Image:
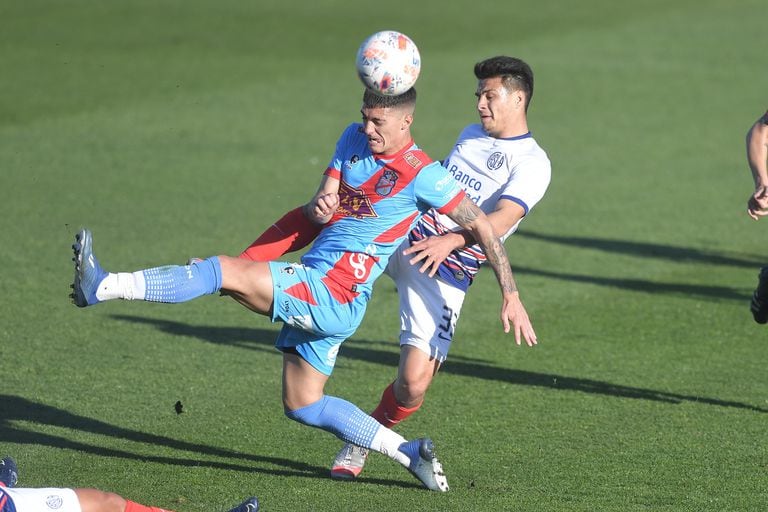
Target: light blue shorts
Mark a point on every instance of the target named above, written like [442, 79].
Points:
[316, 324]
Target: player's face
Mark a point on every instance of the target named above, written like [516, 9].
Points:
[387, 129]
[499, 109]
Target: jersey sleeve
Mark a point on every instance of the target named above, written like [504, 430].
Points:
[436, 188]
[528, 182]
[342, 146]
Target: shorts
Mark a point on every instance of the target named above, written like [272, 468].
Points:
[316, 324]
[42, 500]
[429, 307]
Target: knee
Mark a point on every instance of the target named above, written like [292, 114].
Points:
[95, 500]
[114, 502]
[293, 400]
[311, 415]
[411, 390]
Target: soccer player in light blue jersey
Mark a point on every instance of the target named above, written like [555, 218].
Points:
[374, 190]
[506, 173]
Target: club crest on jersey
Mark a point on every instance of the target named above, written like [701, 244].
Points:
[386, 183]
[353, 202]
[495, 161]
[54, 501]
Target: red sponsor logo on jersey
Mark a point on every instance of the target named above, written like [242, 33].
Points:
[351, 269]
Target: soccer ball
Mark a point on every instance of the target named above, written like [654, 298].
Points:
[388, 63]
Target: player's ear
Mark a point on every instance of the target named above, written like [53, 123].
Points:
[519, 98]
[407, 121]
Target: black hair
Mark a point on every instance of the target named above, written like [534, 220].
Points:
[373, 100]
[515, 74]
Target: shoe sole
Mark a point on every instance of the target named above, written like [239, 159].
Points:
[345, 466]
[343, 473]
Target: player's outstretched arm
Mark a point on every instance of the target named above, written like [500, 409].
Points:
[757, 157]
[470, 217]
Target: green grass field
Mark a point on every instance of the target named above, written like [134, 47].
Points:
[183, 128]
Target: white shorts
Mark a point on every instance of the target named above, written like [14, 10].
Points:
[43, 500]
[429, 308]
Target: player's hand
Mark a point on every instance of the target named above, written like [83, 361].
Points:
[432, 251]
[513, 311]
[325, 205]
[757, 205]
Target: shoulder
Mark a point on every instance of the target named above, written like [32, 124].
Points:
[352, 140]
[533, 152]
[529, 161]
[352, 131]
[434, 175]
[471, 131]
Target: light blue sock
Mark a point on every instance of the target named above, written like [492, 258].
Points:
[347, 422]
[343, 419]
[181, 283]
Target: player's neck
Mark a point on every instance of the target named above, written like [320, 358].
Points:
[515, 128]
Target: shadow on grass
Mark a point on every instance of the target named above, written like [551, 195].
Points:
[15, 409]
[672, 253]
[651, 250]
[645, 286]
[361, 350]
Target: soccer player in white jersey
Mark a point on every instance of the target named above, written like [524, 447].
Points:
[757, 205]
[28, 499]
[505, 172]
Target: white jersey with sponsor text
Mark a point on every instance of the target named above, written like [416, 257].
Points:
[488, 169]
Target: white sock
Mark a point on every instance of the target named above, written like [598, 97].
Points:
[122, 285]
[388, 441]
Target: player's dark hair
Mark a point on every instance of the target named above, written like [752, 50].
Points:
[515, 74]
[373, 100]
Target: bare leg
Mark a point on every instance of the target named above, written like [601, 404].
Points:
[94, 500]
[414, 375]
[302, 383]
[248, 282]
